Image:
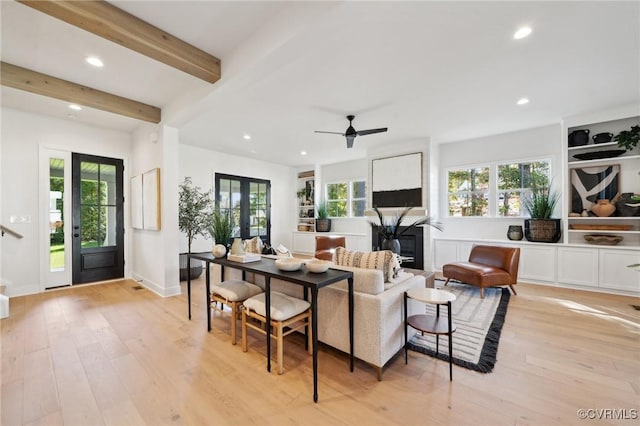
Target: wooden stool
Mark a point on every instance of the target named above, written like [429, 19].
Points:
[232, 293]
[286, 311]
[428, 323]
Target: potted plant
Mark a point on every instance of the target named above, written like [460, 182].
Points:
[220, 227]
[628, 139]
[390, 229]
[540, 204]
[323, 223]
[301, 194]
[194, 211]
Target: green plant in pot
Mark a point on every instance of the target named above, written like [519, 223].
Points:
[194, 210]
[221, 227]
[628, 139]
[540, 204]
[391, 229]
[323, 223]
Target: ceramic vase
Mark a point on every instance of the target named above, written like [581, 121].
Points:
[393, 245]
[237, 248]
[515, 232]
[603, 208]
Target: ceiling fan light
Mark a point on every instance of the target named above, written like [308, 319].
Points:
[75, 107]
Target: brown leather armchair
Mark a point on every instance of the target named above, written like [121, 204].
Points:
[326, 246]
[488, 266]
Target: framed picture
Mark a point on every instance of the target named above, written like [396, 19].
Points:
[151, 199]
[136, 202]
[397, 181]
[589, 184]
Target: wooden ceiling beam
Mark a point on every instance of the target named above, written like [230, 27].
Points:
[43, 84]
[118, 26]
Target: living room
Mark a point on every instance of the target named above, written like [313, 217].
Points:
[436, 120]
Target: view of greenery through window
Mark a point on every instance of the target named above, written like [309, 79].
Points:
[515, 180]
[247, 199]
[469, 192]
[469, 189]
[346, 199]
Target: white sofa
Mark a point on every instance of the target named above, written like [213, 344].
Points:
[378, 313]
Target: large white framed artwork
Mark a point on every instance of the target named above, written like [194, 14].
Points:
[397, 181]
[151, 199]
[145, 201]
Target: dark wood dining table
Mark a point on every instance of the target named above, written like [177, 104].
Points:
[267, 268]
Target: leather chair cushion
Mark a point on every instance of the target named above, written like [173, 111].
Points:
[476, 274]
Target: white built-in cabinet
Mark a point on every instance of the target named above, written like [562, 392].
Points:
[599, 268]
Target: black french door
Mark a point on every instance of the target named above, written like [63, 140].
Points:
[98, 218]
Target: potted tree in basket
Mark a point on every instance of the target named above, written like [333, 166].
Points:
[323, 223]
[540, 204]
[193, 217]
[391, 229]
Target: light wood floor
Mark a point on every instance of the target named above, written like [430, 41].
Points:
[111, 354]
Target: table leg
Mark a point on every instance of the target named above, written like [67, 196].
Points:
[437, 335]
[207, 281]
[405, 329]
[314, 340]
[189, 284]
[267, 306]
[351, 357]
[307, 330]
[450, 343]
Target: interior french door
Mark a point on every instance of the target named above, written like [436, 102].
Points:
[98, 218]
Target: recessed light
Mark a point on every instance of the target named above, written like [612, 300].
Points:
[522, 33]
[246, 136]
[303, 152]
[522, 101]
[75, 107]
[71, 116]
[96, 62]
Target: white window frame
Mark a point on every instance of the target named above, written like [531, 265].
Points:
[493, 209]
[350, 196]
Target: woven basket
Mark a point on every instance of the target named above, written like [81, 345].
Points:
[542, 230]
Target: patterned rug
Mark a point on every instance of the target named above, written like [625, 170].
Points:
[479, 323]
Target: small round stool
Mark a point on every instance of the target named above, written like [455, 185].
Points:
[426, 323]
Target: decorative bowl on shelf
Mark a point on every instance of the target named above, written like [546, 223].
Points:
[603, 239]
[596, 155]
[318, 266]
[288, 264]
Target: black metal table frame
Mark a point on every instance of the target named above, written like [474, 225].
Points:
[266, 267]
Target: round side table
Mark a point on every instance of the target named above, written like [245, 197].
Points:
[431, 324]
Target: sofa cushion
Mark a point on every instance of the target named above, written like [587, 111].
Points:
[369, 281]
[383, 260]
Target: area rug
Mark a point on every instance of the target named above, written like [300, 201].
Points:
[479, 324]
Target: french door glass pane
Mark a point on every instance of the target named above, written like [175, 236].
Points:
[98, 196]
[56, 219]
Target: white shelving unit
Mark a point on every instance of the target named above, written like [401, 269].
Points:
[627, 227]
[305, 208]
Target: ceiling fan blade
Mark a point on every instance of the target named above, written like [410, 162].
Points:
[350, 141]
[331, 133]
[371, 131]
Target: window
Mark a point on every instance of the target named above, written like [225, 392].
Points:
[249, 202]
[495, 189]
[515, 180]
[469, 192]
[346, 199]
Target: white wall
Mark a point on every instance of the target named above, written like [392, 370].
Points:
[530, 144]
[21, 136]
[202, 164]
[155, 253]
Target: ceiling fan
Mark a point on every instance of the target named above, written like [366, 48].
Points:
[351, 133]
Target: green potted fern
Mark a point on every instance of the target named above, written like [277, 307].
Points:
[540, 203]
[220, 227]
[323, 223]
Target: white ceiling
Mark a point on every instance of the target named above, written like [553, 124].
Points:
[441, 70]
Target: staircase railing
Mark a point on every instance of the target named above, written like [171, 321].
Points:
[10, 231]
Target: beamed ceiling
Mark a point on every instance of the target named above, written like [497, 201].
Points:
[443, 71]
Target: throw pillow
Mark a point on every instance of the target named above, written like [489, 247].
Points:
[383, 260]
[253, 245]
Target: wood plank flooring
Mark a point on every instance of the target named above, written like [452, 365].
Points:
[110, 354]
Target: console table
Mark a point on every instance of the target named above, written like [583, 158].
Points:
[267, 268]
